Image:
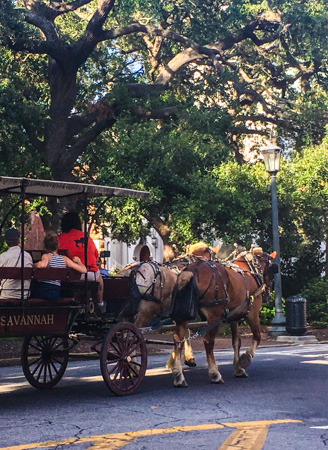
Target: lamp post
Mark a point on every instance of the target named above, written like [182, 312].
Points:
[271, 156]
[154, 241]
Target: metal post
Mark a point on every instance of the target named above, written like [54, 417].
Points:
[279, 322]
[22, 239]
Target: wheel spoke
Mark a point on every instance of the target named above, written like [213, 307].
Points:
[137, 344]
[118, 351]
[35, 361]
[37, 367]
[113, 368]
[131, 369]
[51, 364]
[49, 371]
[38, 348]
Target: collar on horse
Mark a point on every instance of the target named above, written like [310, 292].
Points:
[149, 294]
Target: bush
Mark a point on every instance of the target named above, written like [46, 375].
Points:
[316, 294]
[268, 310]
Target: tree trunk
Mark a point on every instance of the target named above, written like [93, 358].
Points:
[164, 231]
[63, 91]
[326, 256]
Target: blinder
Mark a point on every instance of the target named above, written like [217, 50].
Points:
[273, 269]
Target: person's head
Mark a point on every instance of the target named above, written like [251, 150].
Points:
[70, 221]
[12, 237]
[50, 241]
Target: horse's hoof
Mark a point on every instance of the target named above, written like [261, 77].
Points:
[216, 379]
[244, 360]
[184, 384]
[219, 381]
[190, 362]
[241, 374]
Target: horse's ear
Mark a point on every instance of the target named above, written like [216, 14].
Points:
[273, 255]
[215, 249]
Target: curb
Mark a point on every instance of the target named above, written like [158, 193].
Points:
[9, 362]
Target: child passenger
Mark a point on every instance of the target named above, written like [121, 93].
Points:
[50, 289]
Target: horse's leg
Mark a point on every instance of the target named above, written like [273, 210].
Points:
[189, 358]
[213, 370]
[179, 379]
[236, 342]
[170, 362]
[253, 321]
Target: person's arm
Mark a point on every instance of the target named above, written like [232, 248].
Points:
[43, 263]
[76, 264]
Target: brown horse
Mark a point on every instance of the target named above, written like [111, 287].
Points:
[226, 293]
[153, 286]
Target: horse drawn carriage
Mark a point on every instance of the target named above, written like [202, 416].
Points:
[51, 329]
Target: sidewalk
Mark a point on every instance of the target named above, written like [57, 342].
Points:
[10, 349]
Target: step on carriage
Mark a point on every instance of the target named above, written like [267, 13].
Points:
[50, 330]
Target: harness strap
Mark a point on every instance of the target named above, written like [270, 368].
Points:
[219, 301]
[213, 278]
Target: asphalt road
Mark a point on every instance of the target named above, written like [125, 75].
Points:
[282, 405]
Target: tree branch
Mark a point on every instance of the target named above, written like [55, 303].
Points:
[46, 26]
[59, 8]
[77, 149]
[156, 113]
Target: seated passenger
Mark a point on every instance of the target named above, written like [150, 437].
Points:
[50, 289]
[72, 238]
[12, 258]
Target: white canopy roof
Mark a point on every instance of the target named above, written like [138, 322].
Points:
[61, 189]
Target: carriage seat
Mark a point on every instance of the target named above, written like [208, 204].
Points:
[67, 276]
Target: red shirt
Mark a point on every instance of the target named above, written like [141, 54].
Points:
[74, 241]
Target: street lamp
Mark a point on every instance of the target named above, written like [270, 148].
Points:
[271, 156]
[154, 241]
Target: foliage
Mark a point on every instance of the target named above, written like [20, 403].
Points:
[316, 294]
[159, 96]
[267, 312]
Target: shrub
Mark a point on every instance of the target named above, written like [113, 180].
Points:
[268, 310]
[316, 294]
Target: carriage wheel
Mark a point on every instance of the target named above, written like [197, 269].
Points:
[123, 358]
[44, 360]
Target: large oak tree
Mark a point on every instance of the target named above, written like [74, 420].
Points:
[76, 67]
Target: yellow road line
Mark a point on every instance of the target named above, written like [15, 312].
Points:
[245, 438]
[249, 435]
[250, 432]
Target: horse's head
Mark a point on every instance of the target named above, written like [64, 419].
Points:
[201, 250]
[269, 268]
[259, 263]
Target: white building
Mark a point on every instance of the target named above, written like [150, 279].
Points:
[119, 254]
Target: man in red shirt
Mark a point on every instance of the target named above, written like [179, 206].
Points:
[72, 239]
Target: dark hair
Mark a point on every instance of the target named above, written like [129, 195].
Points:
[70, 221]
[50, 241]
[12, 237]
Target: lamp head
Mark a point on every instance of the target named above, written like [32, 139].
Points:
[154, 241]
[271, 156]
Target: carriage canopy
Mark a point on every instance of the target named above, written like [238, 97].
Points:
[62, 189]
